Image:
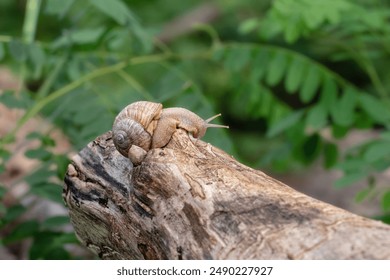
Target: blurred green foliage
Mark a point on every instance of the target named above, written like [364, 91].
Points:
[281, 72]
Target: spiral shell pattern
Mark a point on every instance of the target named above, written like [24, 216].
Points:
[134, 125]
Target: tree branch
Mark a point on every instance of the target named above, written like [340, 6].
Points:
[194, 201]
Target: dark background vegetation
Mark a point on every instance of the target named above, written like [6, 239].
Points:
[294, 79]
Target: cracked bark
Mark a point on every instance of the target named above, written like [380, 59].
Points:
[193, 201]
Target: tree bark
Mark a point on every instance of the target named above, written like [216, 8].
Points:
[194, 201]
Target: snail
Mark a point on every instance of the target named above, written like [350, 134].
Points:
[145, 125]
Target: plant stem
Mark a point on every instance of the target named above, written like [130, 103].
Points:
[31, 20]
[135, 84]
[40, 104]
[44, 90]
[29, 29]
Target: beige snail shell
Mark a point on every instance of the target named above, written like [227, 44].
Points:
[134, 125]
[144, 125]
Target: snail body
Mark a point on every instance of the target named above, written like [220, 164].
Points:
[144, 125]
[174, 118]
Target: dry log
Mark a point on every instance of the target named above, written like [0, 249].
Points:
[194, 201]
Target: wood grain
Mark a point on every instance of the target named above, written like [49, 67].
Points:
[194, 201]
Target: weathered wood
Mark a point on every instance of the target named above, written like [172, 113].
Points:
[193, 201]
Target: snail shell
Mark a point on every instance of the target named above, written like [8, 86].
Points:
[134, 126]
[144, 125]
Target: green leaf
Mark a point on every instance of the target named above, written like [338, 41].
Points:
[4, 154]
[115, 9]
[55, 222]
[293, 30]
[375, 108]
[87, 36]
[285, 123]
[38, 59]
[13, 213]
[339, 131]
[62, 162]
[328, 93]
[362, 195]
[259, 65]
[49, 245]
[342, 111]
[316, 118]
[236, 59]
[79, 37]
[3, 190]
[249, 25]
[45, 140]
[40, 176]
[38, 153]
[3, 210]
[295, 74]
[310, 85]
[352, 165]
[58, 8]
[330, 155]
[277, 68]
[11, 100]
[376, 151]
[87, 116]
[385, 135]
[22, 231]
[349, 179]
[67, 238]
[2, 51]
[311, 148]
[49, 191]
[17, 50]
[385, 201]
[219, 54]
